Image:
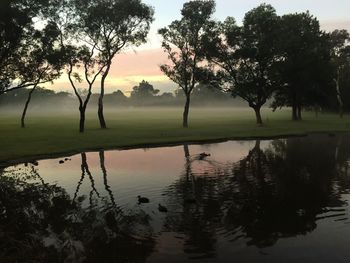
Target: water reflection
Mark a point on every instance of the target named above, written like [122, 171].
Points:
[40, 222]
[277, 198]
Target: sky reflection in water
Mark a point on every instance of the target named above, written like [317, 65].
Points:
[252, 201]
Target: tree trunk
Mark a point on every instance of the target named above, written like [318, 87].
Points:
[188, 162]
[100, 113]
[26, 106]
[82, 119]
[294, 113]
[294, 108]
[186, 111]
[299, 113]
[340, 101]
[186, 151]
[259, 166]
[105, 181]
[257, 145]
[258, 115]
[101, 117]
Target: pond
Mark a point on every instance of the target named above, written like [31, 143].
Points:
[249, 201]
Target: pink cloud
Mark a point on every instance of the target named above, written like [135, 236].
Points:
[140, 63]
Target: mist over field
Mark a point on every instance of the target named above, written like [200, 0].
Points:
[46, 100]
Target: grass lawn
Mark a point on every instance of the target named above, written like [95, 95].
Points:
[58, 133]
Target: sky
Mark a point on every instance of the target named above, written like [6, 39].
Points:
[142, 63]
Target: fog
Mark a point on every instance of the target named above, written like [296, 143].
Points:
[48, 101]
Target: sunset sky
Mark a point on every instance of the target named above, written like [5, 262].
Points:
[132, 66]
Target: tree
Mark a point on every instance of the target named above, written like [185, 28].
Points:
[257, 56]
[246, 56]
[28, 56]
[15, 20]
[46, 60]
[304, 67]
[340, 61]
[183, 41]
[111, 26]
[143, 91]
[116, 98]
[83, 62]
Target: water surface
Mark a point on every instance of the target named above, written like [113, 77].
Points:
[250, 201]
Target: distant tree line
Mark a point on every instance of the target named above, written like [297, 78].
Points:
[142, 95]
[270, 60]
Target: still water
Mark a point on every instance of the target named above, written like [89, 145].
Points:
[283, 200]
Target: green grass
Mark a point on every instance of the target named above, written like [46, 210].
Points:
[58, 133]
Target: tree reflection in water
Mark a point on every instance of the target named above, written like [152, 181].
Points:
[277, 192]
[40, 222]
[195, 219]
[280, 189]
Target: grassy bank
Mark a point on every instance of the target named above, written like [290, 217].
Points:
[52, 134]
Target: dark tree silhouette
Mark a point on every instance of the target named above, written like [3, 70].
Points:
[28, 56]
[16, 28]
[19, 42]
[246, 56]
[46, 60]
[112, 26]
[305, 68]
[183, 42]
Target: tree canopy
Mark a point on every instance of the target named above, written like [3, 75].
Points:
[28, 55]
[305, 65]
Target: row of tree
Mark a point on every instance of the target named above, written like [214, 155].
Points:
[40, 39]
[142, 95]
[288, 59]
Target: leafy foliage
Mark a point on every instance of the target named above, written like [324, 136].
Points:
[305, 67]
[28, 56]
[246, 56]
[183, 41]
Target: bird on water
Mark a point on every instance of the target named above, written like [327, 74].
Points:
[162, 208]
[203, 155]
[142, 200]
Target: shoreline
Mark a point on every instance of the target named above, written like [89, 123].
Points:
[31, 158]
